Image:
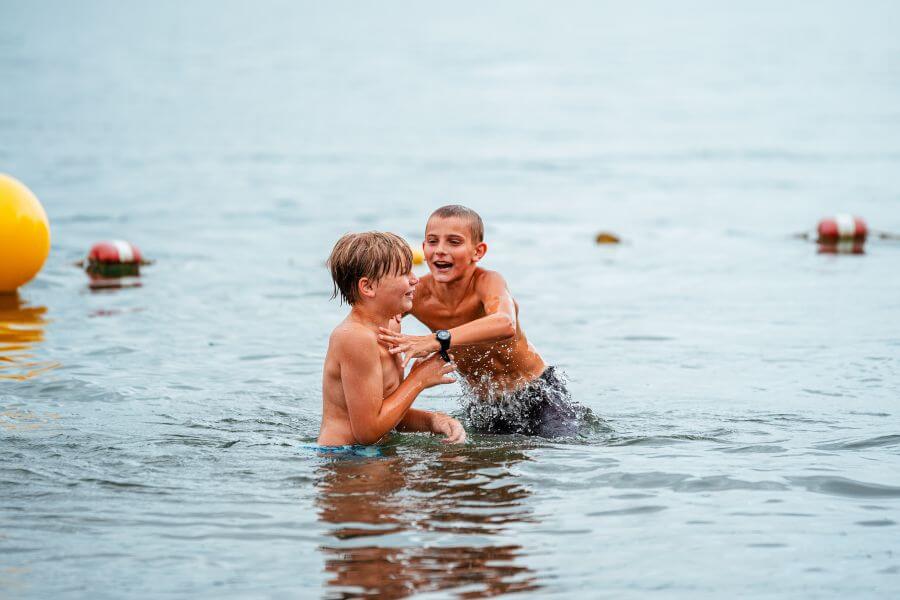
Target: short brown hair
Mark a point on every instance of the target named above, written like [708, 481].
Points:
[476, 226]
[373, 254]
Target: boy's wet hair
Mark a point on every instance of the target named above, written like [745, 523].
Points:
[373, 254]
[472, 218]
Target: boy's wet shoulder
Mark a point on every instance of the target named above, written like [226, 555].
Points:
[348, 331]
[482, 274]
[424, 288]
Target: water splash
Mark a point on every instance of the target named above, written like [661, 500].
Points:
[544, 408]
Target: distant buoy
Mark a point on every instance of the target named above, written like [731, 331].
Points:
[605, 237]
[24, 234]
[418, 256]
[840, 228]
[115, 258]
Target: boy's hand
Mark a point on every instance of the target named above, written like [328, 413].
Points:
[433, 371]
[450, 427]
[412, 346]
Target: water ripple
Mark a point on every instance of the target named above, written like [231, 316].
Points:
[842, 486]
[635, 510]
[872, 442]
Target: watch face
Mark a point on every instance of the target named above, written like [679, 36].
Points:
[443, 334]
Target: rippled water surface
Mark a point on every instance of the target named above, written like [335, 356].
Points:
[153, 439]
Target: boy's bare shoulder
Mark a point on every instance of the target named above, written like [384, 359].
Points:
[350, 335]
[424, 289]
[485, 279]
[425, 281]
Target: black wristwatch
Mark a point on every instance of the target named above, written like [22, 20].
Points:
[443, 336]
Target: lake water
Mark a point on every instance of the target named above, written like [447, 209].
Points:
[152, 439]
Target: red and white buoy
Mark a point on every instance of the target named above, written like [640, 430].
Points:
[114, 252]
[842, 228]
[114, 263]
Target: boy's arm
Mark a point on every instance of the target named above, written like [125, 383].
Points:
[499, 323]
[433, 422]
[372, 416]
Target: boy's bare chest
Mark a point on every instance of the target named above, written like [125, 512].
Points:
[391, 371]
[436, 315]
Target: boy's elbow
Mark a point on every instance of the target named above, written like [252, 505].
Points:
[509, 328]
[367, 438]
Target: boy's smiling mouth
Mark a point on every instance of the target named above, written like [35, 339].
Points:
[442, 265]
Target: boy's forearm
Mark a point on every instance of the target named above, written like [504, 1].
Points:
[416, 420]
[492, 328]
[393, 408]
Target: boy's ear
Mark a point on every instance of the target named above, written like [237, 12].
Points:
[480, 251]
[365, 287]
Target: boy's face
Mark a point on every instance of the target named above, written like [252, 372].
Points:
[394, 293]
[449, 248]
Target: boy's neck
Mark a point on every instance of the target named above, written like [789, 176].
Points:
[452, 292]
[369, 316]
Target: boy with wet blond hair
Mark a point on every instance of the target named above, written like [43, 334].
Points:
[471, 311]
[364, 392]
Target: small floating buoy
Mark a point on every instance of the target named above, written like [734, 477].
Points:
[845, 234]
[114, 264]
[842, 227]
[605, 237]
[24, 234]
[115, 258]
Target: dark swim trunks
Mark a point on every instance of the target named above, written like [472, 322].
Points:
[544, 407]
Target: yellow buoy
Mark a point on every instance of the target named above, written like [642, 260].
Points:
[24, 234]
[418, 255]
[605, 237]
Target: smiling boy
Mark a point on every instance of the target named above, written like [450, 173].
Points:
[471, 310]
[364, 393]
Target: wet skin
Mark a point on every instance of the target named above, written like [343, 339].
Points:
[364, 393]
[489, 346]
[498, 366]
[336, 429]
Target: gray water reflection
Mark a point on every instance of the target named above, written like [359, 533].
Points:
[390, 518]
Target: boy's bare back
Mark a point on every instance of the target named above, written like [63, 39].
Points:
[336, 428]
[364, 393]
